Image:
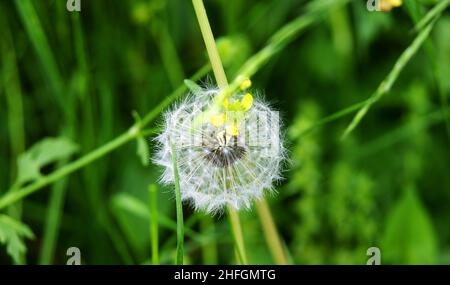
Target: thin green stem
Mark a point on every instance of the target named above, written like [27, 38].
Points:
[330, 118]
[434, 12]
[210, 43]
[237, 236]
[59, 189]
[37, 36]
[153, 205]
[168, 52]
[13, 94]
[222, 82]
[173, 96]
[52, 221]
[271, 233]
[11, 197]
[179, 206]
[386, 85]
[416, 15]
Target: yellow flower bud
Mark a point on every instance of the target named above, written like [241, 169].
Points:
[388, 5]
[245, 84]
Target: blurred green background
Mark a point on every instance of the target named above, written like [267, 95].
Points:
[77, 77]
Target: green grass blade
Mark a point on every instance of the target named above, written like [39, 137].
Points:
[433, 13]
[238, 238]
[153, 205]
[168, 52]
[387, 83]
[40, 43]
[179, 206]
[53, 220]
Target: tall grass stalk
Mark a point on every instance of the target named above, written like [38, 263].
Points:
[14, 104]
[271, 233]
[222, 82]
[211, 48]
[179, 207]
[238, 238]
[433, 13]
[59, 189]
[39, 40]
[153, 217]
[386, 85]
[52, 221]
[168, 52]
[416, 15]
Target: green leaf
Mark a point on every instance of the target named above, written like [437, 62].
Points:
[409, 237]
[12, 233]
[41, 154]
[138, 209]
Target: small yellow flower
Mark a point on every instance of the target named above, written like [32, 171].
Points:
[239, 106]
[245, 84]
[247, 102]
[388, 5]
[236, 110]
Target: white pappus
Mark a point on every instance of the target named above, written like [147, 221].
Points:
[226, 155]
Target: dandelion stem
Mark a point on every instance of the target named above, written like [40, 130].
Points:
[179, 206]
[211, 47]
[271, 233]
[249, 68]
[153, 205]
[237, 236]
[222, 82]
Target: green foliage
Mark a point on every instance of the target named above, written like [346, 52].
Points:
[79, 76]
[47, 151]
[12, 233]
[409, 237]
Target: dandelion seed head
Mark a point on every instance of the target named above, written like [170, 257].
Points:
[227, 157]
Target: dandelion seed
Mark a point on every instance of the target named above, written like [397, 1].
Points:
[231, 159]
